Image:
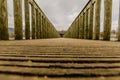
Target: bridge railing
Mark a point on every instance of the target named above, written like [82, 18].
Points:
[41, 26]
[87, 23]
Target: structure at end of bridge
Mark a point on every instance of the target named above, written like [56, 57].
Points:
[87, 23]
[41, 26]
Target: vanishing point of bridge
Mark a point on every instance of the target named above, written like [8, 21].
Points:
[58, 58]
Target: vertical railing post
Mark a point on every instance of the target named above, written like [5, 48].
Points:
[38, 19]
[77, 28]
[86, 28]
[107, 19]
[119, 23]
[45, 26]
[97, 19]
[74, 30]
[33, 22]
[48, 30]
[18, 19]
[81, 27]
[27, 20]
[40, 25]
[70, 33]
[43, 32]
[84, 25]
[3, 20]
[91, 21]
[36, 24]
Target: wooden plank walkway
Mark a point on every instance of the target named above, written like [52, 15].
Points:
[59, 59]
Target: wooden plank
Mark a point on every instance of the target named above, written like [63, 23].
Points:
[59, 56]
[39, 49]
[62, 60]
[60, 72]
[64, 54]
[18, 77]
[61, 65]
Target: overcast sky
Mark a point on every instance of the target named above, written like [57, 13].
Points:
[62, 12]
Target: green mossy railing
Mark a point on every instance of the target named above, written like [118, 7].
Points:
[41, 26]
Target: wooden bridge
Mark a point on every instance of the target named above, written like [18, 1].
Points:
[74, 57]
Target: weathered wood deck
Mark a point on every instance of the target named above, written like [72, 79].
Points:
[59, 59]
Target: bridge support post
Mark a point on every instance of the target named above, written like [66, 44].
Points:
[97, 19]
[107, 19]
[27, 20]
[18, 19]
[3, 20]
[91, 21]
